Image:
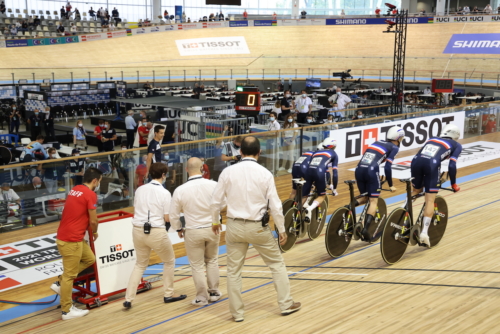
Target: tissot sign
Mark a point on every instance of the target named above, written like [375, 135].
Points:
[212, 46]
[474, 44]
[354, 141]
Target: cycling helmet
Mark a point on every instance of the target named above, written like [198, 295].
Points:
[450, 131]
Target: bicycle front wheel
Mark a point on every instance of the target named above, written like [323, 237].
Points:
[439, 221]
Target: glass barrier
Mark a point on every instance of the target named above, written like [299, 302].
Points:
[34, 193]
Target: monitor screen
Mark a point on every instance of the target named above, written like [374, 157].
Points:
[224, 2]
[22, 88]
[59, 87]
[8, 92]
[313, 83]
[104, 85]
[80, 85]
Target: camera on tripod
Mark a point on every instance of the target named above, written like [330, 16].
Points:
[343, 75]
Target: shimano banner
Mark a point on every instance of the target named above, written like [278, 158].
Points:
[474, 44]
[363, 21]
[212, 46]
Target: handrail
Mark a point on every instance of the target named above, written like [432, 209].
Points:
[173, 145]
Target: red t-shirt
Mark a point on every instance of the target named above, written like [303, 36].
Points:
[140, 173]
[377, 11]
[98, 129]
[143, 129]
[206, 172]
[75, 217]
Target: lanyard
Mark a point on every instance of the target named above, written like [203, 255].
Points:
[195, 178]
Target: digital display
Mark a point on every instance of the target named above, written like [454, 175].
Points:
[8, 92]
[224, 2]
[313, 83]
[32, 88]
[59, 87]
[104, 85]
[246, 100]
[80, 85]
[442, 85]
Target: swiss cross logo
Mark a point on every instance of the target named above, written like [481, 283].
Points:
[193, 45]
[116, 248]
[84, 38]
[110, 35]
[7, 250]
[7, 282]
[179, 27]
[369, 137]
[405, 163]
[205, 24]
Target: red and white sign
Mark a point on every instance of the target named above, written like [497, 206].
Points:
[222, 24]
[187, 26]
[93, 37]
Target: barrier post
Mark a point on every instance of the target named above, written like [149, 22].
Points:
[465, 78]
[137, 79]
[379, 76]
[105, 76]
[199, 71]
[279, 73]
[154, 77]
[215, 78]
[414, 75]
[89, 78]
[482, 80]
[295, 74]
[184, 78]
[71, 76]
[122, 75]
[13, 81]
[431, 76]
[169, 77]
[231, 73]
[363, 75]
[33, 77]
[498, 79]
[329, 71]
[53, 77]
[263, 76]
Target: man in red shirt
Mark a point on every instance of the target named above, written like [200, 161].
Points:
[205, 172]
[98, 132]
[143, 131]
[80, 212]
[377, 12]
[140, 173]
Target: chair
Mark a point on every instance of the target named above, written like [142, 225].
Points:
[47, 34]
[40, 12]
[86, 30]
[18, 11]
[54, 34]
[78, 24]
[84, 18]
[56, 12]
[47, 12]
[92, 24]
[19, 16]
[120, 25]
[44, 23]
[2, 37]
[98, 24]
[19, 34]
[49, 17]
[56, 17]
[45, 28]
[92, 29]
[84, 13]
[33, 33]
[85, 24]
[7, 21]
[38, 28]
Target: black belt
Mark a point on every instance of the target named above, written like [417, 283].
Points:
[248, 220]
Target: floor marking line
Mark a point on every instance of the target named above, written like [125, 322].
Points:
[298, 272]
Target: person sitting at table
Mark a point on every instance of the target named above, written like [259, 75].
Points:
[408, 98]
[28, 193]
[9, 195]
[427, 91]
[35, 150]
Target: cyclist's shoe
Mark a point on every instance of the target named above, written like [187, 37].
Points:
[424, 239]
[366, 235]
[308, 215]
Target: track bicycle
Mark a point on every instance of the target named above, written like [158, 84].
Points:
[342, 227]
[401, 229]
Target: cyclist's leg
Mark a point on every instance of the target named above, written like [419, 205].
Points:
[320, 182]
[296, 174]
[417, 173]
[373, 194]
[431, 183]
[359, 175]
[306, 188]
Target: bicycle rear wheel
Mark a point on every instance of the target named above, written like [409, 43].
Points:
[395, 236]
[316, 226]
[377, 227]
[339, 232]
[290, 222]
[287, 205]
[439, 221]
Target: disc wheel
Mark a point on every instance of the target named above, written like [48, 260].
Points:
[377, 226]
[395, 236]
[290, 217]
[439, 221]
[316, 226]
[339, 232]
[287, 205]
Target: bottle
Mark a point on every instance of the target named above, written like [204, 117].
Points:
[29, 222]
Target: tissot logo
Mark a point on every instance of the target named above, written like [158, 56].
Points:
[353, 144]
[115, 248]
[8, 250]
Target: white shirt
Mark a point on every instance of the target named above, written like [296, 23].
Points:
[341, 100]
[9, 195]
[302, 104]
[193, 199]
[277, 110]
[154, 198]
[73, 29]
[247, 187]
[289, 133]
[274, 125]
[427, 91]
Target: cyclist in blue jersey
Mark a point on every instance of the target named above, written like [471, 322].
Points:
[299, 170]
[426, 168]
[367, 172]
[324, 163]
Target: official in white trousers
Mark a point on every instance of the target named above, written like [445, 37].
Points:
[151, 208]
[202, 244]
[249, 189]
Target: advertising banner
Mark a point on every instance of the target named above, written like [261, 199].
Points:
[221, 24]
[178, 14]
[467, 18]
[472, 154]
[318, 22]
[186, 26]
[363, 21]
[212, 46]
[92, 37]
[16, 43]
[265, 23]
[235, 24]
[474, 44]
[354, 141]
[287, 22]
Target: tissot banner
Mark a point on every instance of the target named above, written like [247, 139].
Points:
[212, 46]
[474, 44]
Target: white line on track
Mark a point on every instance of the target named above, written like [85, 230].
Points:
[300, 272]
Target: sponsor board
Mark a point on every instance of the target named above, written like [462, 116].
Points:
[318, 22]
[354, 141]
[92, 37]
[472, 154]
[222, 24]
[169, 27]
[363, 21]
[187, 26]
[467, 18]
[264, 23]
[16, 43]
[212, 46]
[120, 33]
[52, 41]
[154, 29]
[235, 24]
[129, 32]
[140, 31]
[473, 44]
[287, 22]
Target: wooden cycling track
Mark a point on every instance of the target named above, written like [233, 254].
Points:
[454, 287]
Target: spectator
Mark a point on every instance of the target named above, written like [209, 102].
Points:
[189, 20]
[108, 137]
[24, 27]
[427, 91]
[354, 95]
[13, 30]
[112, 27]
[92, 13]
[76, 167]
[277, 108]
[140, 173]
[475, 9]
[331, 120]
[211, 17]
[342, 13]
[183, 16]
[78, 17]
[35, 122]
[488, 10]
[68, 8]
[124, 162]
[29, 192]
[2, 7]
[98, 133]
[289, 142]
[231, 151]
[139, 24]
[143, 132]
[115, 13]
[359, 115]
[30, 22]
[498, 9]
[490, 125]
[52, 172]
[287, 104]
[60, 29]
[130, 126]
[9, 195]
[205, 171]
[339, 101]
[165, 15]
[303, 14]
[36, 22]
[15, 120]
[147, 86]
[6, 31]
[275, 16]
[48, 124]
[377, 12]
[79, 135]
[466, 10]
[303, 105]
[73, 29]
[63, 13]
[98, 14]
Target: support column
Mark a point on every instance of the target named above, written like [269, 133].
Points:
[440, 7]
[295, 9]
[156, 9]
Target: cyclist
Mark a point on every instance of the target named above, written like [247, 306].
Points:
[299, 170]
[426, 168]
[367, 172]
[323, 164]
